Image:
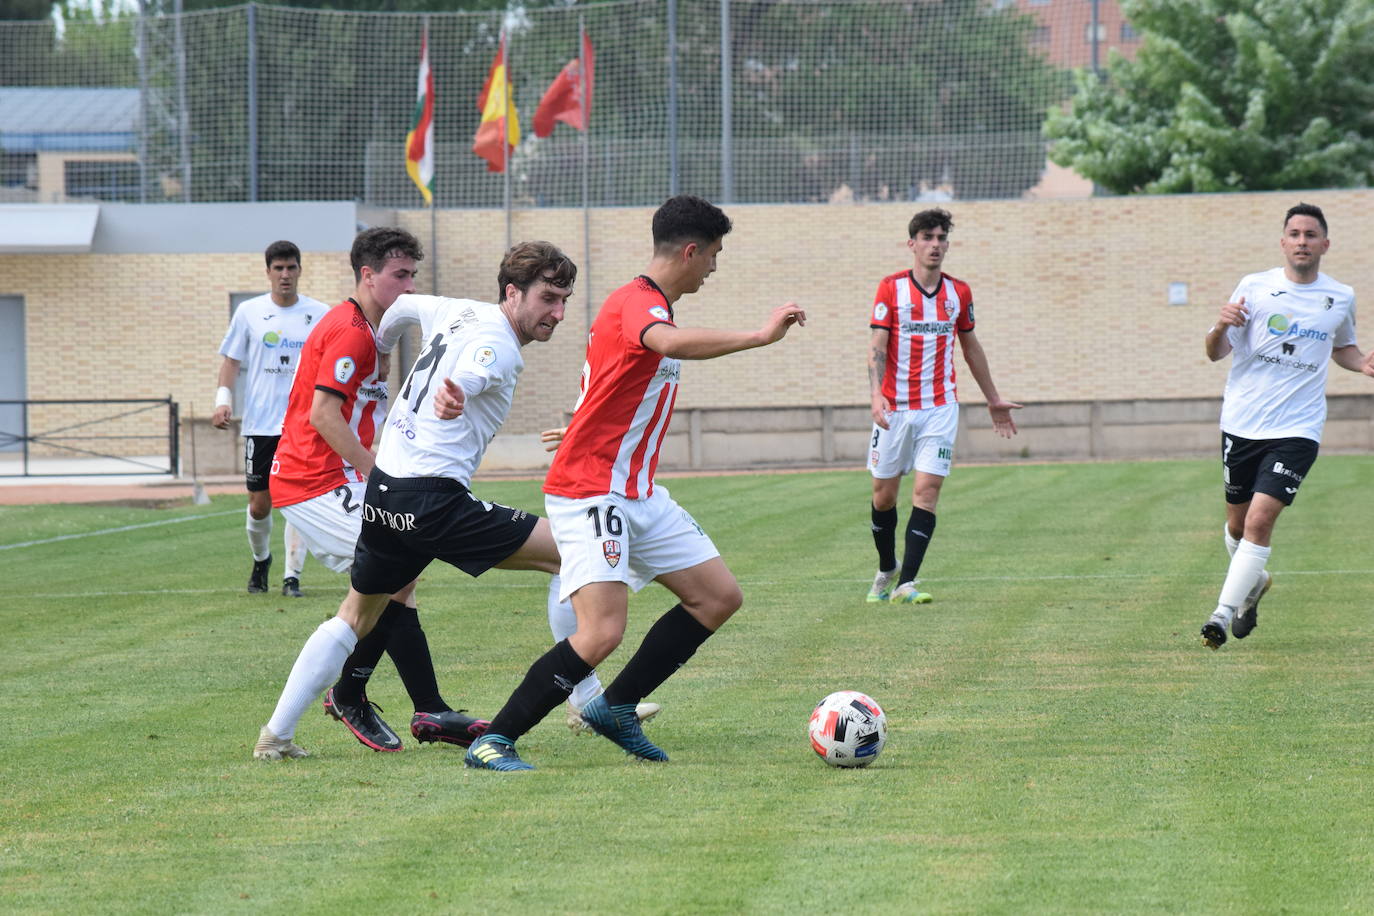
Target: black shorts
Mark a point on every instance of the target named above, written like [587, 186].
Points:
[410, 521]
[1272, 466]
[257, 460]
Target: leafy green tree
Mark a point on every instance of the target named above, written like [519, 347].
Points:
[25, 9]
[1228, 95]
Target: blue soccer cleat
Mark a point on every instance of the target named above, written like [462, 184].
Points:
[621, 725]
[494, 752]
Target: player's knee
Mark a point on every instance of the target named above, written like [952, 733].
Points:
[595, 643]
[716, 608]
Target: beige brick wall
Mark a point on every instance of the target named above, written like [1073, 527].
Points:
[1071, 297]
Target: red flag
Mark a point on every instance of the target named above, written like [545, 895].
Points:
[498, 116]
[564, 100]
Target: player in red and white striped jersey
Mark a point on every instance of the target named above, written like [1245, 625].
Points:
[917, 316]
[615, 528]
[338, 402]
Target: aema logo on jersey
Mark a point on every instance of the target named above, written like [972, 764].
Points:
[659, 312]
[880, 311]
[344, 369]
[271, 340]
[1279, 325]
[484, 356]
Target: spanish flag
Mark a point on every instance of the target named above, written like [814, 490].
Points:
[498, 115]
[420, 140]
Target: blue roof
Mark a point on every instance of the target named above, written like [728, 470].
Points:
[68, 119]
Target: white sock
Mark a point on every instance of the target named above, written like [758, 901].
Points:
[563, 623]
[260, 536]
[295, 551]
[562, 617]
[1231, 543]
[1241, 576]
[319, 664]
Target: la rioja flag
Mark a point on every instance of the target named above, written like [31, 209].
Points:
[420, 140]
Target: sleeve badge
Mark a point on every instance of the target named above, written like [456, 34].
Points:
[344, 368]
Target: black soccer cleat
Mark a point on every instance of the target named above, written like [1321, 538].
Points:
[257, 579]
[362, 720]
[291, 587]
[1213, 634]
[1248, 617]
[450, 727]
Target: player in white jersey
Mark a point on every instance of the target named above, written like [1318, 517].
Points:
[917, 316]
[418, 506]
[1281, 327]
[265, 337]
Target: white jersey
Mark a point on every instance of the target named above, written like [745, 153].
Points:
[470, 342]
[1277, 385]
[267, 339]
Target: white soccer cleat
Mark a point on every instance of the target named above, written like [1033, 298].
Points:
[906, 593]
[270, 747]
[882, 586]
[643, 711]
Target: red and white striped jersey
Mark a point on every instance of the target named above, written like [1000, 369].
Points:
[340, 356]
[921, 330]
[612, 444]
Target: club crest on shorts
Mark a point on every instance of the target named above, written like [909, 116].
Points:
[611, 550]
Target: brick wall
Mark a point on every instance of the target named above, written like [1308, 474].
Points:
[1071, 297]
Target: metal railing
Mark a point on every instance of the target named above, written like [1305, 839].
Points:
[89, 438]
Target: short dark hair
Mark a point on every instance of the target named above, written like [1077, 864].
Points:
[934, 218]
[1311, 210]
[687, 218]
[528, 262]
[282, 251]
[374, 247]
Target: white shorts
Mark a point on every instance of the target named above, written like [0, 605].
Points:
[329, 523]
[614, 539]
[921, 440]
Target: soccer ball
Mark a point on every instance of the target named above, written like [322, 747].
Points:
[848, 729]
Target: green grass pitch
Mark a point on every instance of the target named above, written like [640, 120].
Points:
[1059, 740]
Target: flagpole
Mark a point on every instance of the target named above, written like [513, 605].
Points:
[588, 298]
[433, 204]
[505, 128]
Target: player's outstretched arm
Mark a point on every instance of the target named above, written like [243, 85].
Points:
[708, 343]
[1233, 315]
[228, 374]
[999, 407]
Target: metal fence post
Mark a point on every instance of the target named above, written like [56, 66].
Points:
[727, 164]
[252, 101]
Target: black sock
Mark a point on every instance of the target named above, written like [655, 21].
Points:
[672, 640]
[409, 651]
[548, 682]
[885, 537]
[359, 666]
[919, 530]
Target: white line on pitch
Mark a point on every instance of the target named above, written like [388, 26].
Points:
[88, 534]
